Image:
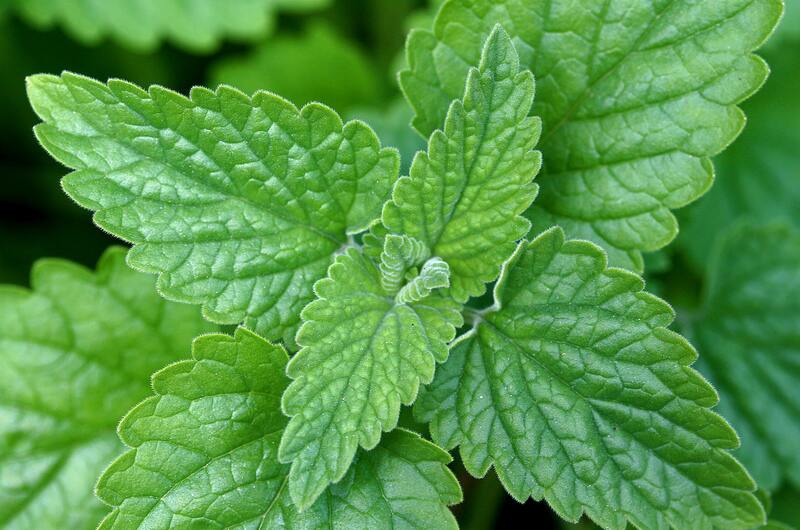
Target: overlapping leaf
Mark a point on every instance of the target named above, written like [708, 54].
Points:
[198, 25]
[748, 334]
[465, 197]
[392, 127]
[205, 456]
[239, 203]
[75, 353]
[364, 353]
[758, 177]
[786, 506]
[574, 390]
[788, 31]
[634, 97]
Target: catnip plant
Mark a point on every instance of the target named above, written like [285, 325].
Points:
[495, 288]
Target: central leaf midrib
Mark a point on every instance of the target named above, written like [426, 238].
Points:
[211, 459]
[446, 220]
[558, 378]
[275, 500]
[586, 93]
[334, 413]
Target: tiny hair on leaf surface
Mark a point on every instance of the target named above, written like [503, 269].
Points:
[198, 25]
[364, 352]
[465, 196]
[634, 98]
[76, 351]
[238, 203]
[574, 390]
[204, 455]
[748, 335]
[368, 343]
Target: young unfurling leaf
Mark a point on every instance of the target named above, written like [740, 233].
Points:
[571, 385]
[465, 196]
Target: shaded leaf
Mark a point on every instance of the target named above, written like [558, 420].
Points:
[204, 455]
[76, 352]
[748, 334]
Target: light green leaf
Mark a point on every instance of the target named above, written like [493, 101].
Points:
[239, 203]
[400, 253]
[75, 353]
[205, 456]
[435, 274]
[634, 97]
[197, 25]
[318, 65]
[748, 334]
[364, 353]
[758, 177]
[465, 196]
[574, 390]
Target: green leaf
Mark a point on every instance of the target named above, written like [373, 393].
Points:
[239, 203]
[435, 274]
[634, 97]
[786, 506]
[465, 196]
[573, 388]
[392, 127]
[205, 456]
[758, 177]
[772, 523]
[400, 253]
[318, 65]
[748, 334]
[364, 353]
[199, 25]
[776, 525]
[788, 32]
[76, 352]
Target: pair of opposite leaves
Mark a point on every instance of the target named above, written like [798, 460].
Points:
[218, 412]
[76, 353]
[199, 151]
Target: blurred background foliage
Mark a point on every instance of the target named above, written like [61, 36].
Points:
[345, 53]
